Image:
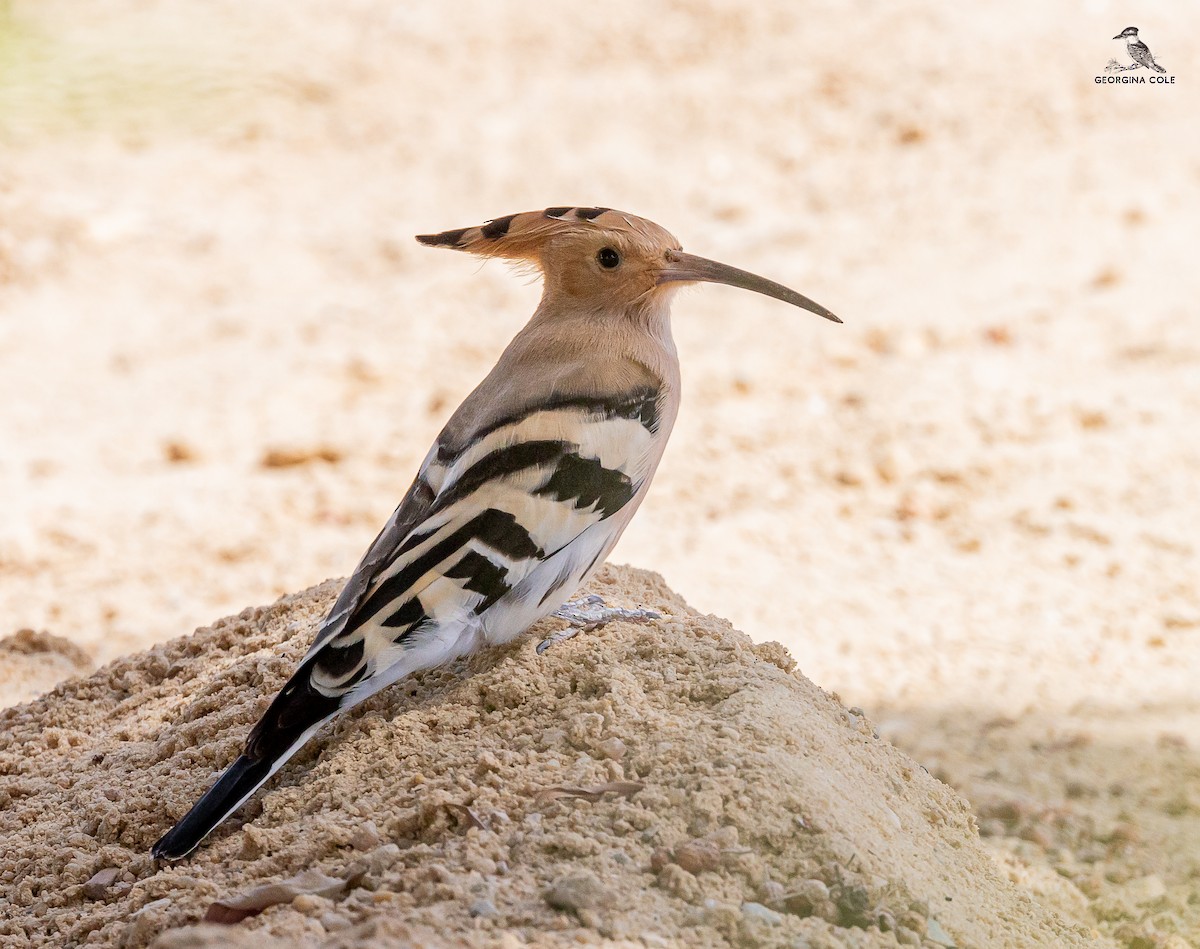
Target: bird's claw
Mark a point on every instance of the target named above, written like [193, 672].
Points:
[590, 612]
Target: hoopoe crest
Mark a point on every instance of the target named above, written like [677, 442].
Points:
[604, 256]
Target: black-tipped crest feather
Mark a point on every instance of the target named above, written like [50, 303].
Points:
[524, 235]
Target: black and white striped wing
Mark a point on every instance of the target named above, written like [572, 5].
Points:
[472, 533]
[490, 537]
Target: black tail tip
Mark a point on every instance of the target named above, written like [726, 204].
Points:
[165, 848]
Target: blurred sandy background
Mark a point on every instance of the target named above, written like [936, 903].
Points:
[972, 510]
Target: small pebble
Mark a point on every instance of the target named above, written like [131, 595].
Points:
[577, 891]
[936, 934]
[333, 922]
[611, 748]
[310, 904]
[760, 913]
[98, 885]
[383, 857]
[697, 855]
[483, 908]
[254, 843]
[805, 895]
[147, 921]
[772, 891]
[366, 837]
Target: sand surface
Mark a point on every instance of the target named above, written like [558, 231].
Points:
[973, 510]
[742, 804]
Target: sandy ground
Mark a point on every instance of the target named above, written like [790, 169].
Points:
[669, 784]
[972, 510]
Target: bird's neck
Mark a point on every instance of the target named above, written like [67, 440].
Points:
[648, 318]
[600, 334]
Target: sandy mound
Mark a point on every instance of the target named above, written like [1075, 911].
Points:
[648, 783]
[33, 662]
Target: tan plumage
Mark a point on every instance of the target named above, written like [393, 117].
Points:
[524, 493]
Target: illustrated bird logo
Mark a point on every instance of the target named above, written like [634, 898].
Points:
[1138, 51]
[524, 492]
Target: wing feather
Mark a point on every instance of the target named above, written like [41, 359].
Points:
[478, 521]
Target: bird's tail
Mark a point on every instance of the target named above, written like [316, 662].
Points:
[1157, 67]
[294, 715]
[240, 780]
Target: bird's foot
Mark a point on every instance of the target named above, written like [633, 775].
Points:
[590, 612]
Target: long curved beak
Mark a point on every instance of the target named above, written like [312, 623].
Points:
[688, 268]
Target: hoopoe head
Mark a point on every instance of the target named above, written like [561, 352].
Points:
[601, 257]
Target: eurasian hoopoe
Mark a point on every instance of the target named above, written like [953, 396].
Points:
[524, 492]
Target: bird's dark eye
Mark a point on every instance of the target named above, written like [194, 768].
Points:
[608, 258]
